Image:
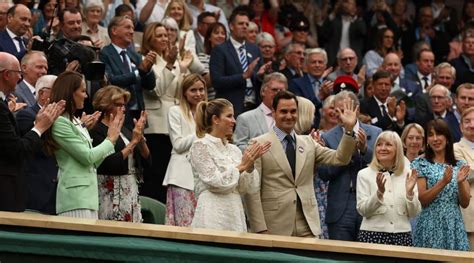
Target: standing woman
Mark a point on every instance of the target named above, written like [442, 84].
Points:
[91, 27]
[169, 72]
[178, 10]
[119, 173]
[442, 187]
[77, 192]
[216, 34]
[413, 137]
[179, 180]
[384, 43]
[221, 172]
[386, 194]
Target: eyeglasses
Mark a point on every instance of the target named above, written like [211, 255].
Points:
[347, 58]
[119, 105]
[437, 98]
[267, 46]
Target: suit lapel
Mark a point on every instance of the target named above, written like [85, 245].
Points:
[116, 58]
[300, 156]
[27, 93]
[234, 54]
[9, 43]
[278, 153]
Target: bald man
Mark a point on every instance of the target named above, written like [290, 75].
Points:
[34, 65]
[14, 150]
[12, 40]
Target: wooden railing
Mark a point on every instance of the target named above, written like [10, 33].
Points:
[227, 237]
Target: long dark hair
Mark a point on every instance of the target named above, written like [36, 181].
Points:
[63, 89]
[441, 128]
[207, 38]
[379, 39]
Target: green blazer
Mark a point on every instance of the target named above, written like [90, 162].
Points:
[77, 161]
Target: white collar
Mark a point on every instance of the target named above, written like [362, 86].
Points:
[379, 102]
[2, 95]
[31, 87]
[11, 34]
[119, 49]
[236, 43]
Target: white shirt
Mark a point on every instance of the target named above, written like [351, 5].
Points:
[420, 77]
[157, 13]
[15, 41]
[208, 8]
[131, 65]
[380, 105]
[345, 41]
[237, 45]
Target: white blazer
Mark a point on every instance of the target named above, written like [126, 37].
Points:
[393, 213]
[182, 134]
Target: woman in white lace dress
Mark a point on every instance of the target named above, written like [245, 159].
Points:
[221, 172]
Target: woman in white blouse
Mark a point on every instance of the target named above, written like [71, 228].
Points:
[178, 10]
[387, 196]
[221, 172]
[169, 71]
[180, 200]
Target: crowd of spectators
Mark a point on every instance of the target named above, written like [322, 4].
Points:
[347, 120]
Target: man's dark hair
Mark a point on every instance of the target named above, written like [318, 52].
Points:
[123, 8]
[203, 15]
[283, 95]
[11, 11]
[241, 10]
[381, 74]
[71, 10]
[418, 56]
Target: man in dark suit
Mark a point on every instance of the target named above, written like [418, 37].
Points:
[335, 38]
[125, 68]
[41, 171]
[382, 108]
[12, 39]
[464, 72]
[233, 66]
[15, 150]
[341, 213]
[401, 87]
[425, 66]
[203, 21]
[34, 65]
[313, 85]
[294, 58]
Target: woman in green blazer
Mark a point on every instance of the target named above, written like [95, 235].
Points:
[69, 140]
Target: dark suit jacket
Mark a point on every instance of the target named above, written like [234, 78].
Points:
[127, 80]
[463, 74]
[289, 75]
[7, 45]
[370, 107]
[453, 125]
[302, 87]
[330, 36]
[115, 164]
[41, 171]
[340, 177]
[23, 94]
[439, 45]
[14, 151]
[411, 90]
[226, 73]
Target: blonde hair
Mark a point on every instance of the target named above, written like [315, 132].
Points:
[399, 162]
[187, 83]
[306, 110]
[105, 98]
[204, 112]
[185, 23]
[407, 129]
[148, 36]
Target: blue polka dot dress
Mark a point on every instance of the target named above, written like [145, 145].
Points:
[440, 225]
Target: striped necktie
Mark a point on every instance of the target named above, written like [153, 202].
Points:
[243, 58]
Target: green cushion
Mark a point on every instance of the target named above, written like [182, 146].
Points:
[153, 211]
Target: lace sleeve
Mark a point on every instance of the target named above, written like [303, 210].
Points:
[215, 171]
[249, 182]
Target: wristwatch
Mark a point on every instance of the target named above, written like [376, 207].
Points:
[350, 133]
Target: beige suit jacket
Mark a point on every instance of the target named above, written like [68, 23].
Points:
[463, 151]
[273, 208]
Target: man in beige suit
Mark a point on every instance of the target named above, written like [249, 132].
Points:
[464, 150]
[286, 204]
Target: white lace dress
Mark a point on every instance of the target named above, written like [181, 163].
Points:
[218, 185]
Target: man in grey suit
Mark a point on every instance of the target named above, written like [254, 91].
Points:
[203, 21]
[258, 121]
[341, 214]
[34, 65]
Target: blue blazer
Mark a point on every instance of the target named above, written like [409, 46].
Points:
[41, 171]
[127, 80]
[226, 73]
[7, 45]
[339, 177]
[23, 93]
[411, 90]
[302, 87]
[453, 125]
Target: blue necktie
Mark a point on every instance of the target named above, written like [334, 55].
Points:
[243, 58]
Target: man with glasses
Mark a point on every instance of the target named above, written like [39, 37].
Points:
[203, 21]
[12, 39]
[440, 98]
[347, 62]
[294, 58]
[41, 171]
[15, 149]
[256, 122]
[34, 65]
